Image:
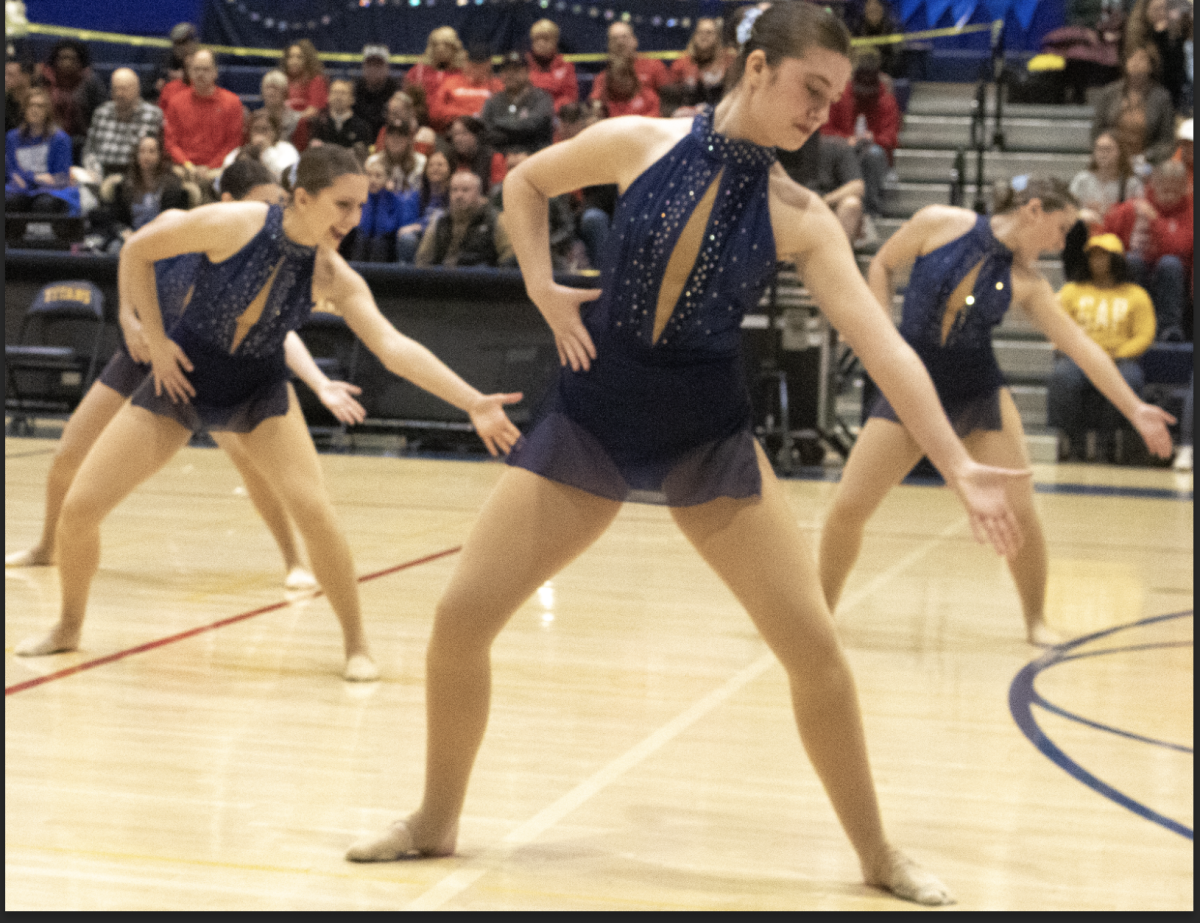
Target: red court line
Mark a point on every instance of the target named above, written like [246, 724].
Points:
[192, 632]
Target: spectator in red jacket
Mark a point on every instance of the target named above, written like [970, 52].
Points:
[622, 46]
[465, 93]
[443, 58]
[625, 94]
[868, 117]
[308, 88]
[1157, 234]
[548, 69]
[203, 123]
[700, 70]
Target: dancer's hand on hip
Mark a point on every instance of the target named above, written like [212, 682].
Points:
[983, 490]
[497, 431]
[560, 304]
[170, 363]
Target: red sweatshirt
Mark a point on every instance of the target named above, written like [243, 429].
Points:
[882, 112]
[1171, 233]
[557, 78]
[458, 96]
[202, 129]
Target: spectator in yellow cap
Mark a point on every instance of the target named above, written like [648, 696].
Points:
[1119, 317]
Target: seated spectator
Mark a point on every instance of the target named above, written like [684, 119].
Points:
[308, 87]
[1161, 24]
[1157, 235]
[700, 70]
[265, 146]
[469, 233]
[876, 20]
[274, 89]
[18, 80]
[562, 221]
[146, 187]
[339, 124]
[623, 92]
[384, 213]
[76, 93]
[443, 57]
[548, 69]
[399, 111]
[868, 117]
[827, 165]
[1119, 317]
[173, 66]
[37, 165]
[465, 93]
[404, 165]
[374, 88]
[520, 117]
[1108, 180]
[470, 151]
[434, 198]
[203, 123]
[623, 46]
[1138, 110]
[118, 125]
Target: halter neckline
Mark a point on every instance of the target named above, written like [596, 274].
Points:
[726, 149]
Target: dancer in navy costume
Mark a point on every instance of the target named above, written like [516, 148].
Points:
[967, 270]
[651, 405]
[222, 367]
[246, 180]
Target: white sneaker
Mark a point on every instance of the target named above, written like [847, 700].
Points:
[1183, 458]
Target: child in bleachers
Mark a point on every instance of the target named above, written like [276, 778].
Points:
[382, 216]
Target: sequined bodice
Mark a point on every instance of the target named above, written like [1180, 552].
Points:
[223, 291]
[936, 275]
[735, 261]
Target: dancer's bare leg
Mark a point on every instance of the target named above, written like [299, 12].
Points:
[756, 547]
[282, 446]
[882, 455]
[529, 529]
[130, 449]
[94, 412]
[1028, 566]
[272, 511]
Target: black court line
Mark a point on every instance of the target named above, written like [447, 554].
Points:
[192, 632]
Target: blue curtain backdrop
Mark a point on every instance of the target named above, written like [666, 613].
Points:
[347, 25]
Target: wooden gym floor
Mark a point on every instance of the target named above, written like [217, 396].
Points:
[641, 752]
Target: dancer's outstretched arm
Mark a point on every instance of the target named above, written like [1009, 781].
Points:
[1043, 309]
[337, 396]
[403, 356]
[809, 233]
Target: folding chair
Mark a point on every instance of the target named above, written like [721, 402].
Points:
[54, 361]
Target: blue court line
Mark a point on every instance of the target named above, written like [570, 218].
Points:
[1022, 696]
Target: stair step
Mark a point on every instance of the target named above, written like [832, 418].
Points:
[914, 166]
[1020, 134]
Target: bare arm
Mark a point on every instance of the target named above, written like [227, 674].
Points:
[613, 151]
[407, 358]
[337, 396]
[855, 187]
[1067, 336]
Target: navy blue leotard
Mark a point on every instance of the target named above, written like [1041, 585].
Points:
[667, 421]
[236, 390]
[963, 368]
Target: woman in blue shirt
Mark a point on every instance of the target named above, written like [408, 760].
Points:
[37, 163]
